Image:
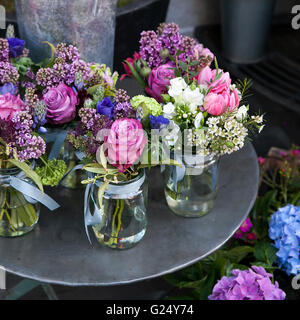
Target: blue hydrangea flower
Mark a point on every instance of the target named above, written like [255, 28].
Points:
[284, 229]
[9, 88]
[16, 47]
[158, 122]
[106, 107]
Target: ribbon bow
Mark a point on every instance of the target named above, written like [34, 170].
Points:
[31, 193]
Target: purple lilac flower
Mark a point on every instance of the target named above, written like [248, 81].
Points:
[106, 107]
[17, 133]
[16, 47]
[8, 73]
[67, 53]
[121, 96]
[150, 48]
[4, 50]
[284, 229]
[9, 88]
[158, 122]
[252, 284]
[124, 110]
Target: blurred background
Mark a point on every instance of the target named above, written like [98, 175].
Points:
[254, 39]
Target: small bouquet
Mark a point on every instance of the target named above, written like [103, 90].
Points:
[204, 108]
[22, 181]
[59, 87]
[175, 70]
[112, 135]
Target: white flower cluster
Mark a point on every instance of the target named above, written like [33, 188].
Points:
[210, 134]
[227, 133]
[187, 102]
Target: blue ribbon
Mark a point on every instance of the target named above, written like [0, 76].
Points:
[58, 137]
[31, 193]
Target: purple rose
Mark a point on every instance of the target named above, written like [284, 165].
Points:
[9, 88]
[158, 81]
[61, 104]
[16, 47]
[106, 107]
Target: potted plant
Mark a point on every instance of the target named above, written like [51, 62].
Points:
[245, 28]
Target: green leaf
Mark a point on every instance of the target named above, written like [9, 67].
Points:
[237, 254]
[136, 75]
[102, 157]
[92, 90]
[53, 49]
[28, 172]
[166, 98]
[184, 66]
[265, 252]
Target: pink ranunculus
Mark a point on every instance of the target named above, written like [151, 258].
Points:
[207, 76]
[158, 81]
[125, 143]
[61, 104]
[216, 104]
[9, 105]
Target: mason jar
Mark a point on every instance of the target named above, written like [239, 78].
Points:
[191, 189]
[18, 213]
[123, 215]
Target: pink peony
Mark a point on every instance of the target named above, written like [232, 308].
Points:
[216, 104]
[207, 76]
[158, 81]
[234, 100]
[61, 104]
[9, 105]
[125, 143]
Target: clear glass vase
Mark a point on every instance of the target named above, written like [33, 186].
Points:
[17, 215]
[191, 190]
[123, 218]
[73, 179]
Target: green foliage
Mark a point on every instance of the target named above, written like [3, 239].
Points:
[281, 177]
[244, 87]
[51, 172]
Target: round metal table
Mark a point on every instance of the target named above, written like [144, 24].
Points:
[58, 251]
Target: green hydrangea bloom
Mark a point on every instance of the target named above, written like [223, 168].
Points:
[52, 172]
[147, 105]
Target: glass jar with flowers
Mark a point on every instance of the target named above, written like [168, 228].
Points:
[21, 147]
[206, 116]
[112, 134]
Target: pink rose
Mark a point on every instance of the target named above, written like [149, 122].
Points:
[207, 76]
[61, 104]
[9, 105]
[158, 81]
[125, 143]
[216, 104]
